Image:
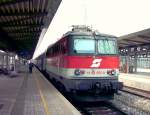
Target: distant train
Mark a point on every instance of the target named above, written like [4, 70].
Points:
[84, 60]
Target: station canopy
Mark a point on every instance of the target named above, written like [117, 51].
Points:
[139, 38]
[135, 43]
[21, 23]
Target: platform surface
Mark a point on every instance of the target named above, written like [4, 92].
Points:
[32, 94]
[139, 80]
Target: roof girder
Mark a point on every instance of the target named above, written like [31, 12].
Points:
[8, 2]
[21, 13]
[134, 41]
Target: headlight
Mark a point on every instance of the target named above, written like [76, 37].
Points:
[111, 72]
[79, 72]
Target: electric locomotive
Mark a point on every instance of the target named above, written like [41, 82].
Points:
[84, 60]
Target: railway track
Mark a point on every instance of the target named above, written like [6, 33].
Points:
[132, 101]
[97, 108]
[137, 92]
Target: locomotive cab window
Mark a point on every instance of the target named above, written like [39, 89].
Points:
[83, 44]
[106, 46]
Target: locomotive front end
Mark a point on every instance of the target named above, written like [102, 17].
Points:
[93, 63]
[84, 61]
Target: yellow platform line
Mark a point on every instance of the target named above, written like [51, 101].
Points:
[44, 103]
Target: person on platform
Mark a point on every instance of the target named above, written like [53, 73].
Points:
[30, 67]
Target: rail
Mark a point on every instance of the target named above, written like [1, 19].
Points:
[135, 91]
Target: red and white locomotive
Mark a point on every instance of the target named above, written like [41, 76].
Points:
[84, 60]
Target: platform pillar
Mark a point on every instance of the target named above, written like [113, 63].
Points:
[127, 64]
[3, 58]
[135, 64]
[13, 63]
[7, 59]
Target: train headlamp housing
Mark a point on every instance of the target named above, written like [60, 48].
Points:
[78, 72]
[111, 72]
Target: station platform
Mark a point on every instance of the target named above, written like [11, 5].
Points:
[140, 80]
[32, 94]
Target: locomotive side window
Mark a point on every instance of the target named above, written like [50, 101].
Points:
[106, 46]
[62, 49]
[56, 50]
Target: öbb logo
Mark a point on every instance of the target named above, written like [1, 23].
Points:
[96, 63]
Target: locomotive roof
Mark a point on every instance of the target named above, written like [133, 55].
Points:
[89, 33]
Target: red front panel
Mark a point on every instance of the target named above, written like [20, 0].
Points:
[90, 62]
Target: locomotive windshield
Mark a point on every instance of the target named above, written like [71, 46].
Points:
[91, 45]
[106, 46]
[84, 46]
